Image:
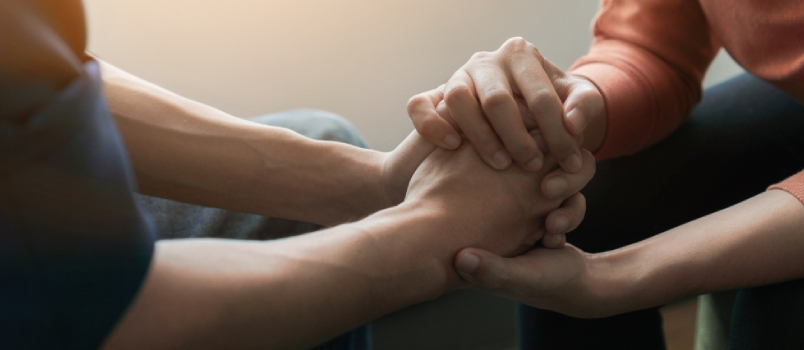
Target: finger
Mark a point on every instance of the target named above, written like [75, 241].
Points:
[582, 102]
[415, 149]
[460, 98]
[527, 118]
[484, 269]
[564, 220]
[426, 120]
[537, 136]
[562, 184]
[497, 101]
[444, 113]
[544, 103]
[554, 241]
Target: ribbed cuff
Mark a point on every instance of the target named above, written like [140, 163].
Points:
[794, 185]
[628, 116]
[646, 99]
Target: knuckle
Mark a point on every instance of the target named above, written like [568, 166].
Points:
[497, 100]
[457, 94]
[480, 56]
[544, 101]
[443, 111]
[429, 126]
[415, 102]
[520, 46]
[516, 43]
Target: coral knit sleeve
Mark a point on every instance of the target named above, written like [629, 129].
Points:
[648, 59]
[794, 185]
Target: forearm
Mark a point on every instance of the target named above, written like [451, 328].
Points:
[191, 152]
[756, 242]
[290, 293]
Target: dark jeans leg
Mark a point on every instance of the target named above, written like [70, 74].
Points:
[743, 136]
[181, 220]
[769, 317]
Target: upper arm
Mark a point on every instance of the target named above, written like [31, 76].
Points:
[74, 248]
[41, 50]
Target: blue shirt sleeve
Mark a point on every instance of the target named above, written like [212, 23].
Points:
[74, 247]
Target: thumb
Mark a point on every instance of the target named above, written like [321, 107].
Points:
[583, 103]
[407, 156]
[485, 269]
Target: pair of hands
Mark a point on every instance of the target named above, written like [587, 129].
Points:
[513, 106]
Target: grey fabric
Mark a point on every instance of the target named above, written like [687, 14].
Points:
[181, 220]
[713, 324]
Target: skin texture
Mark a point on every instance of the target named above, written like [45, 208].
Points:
[496, 97]
[431, 107]
[184, 150]
[227, 294]
[756, 242]
[224, 294]
[499, 100]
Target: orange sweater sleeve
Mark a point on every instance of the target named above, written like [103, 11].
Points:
[648, 59]
[794, 185]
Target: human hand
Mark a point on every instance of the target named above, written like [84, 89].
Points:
[493, 98]
[397, 167]
[433, 109]
[501, 211]
[564, 280]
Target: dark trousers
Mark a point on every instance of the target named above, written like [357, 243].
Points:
[744, 136]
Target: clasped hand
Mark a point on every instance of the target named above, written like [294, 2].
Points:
[513, 106]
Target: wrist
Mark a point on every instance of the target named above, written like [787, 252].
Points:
[417, 232]
[356, 189]
[617, 279]
[638, 276]
[369, 186]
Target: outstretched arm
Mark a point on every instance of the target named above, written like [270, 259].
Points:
[756, 242]
[300, 291]
[187, 151]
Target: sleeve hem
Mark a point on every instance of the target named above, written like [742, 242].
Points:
[793, 185]
[645, 98]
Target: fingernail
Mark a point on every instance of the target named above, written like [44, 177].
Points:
[501, 159]
[535, 164]
[468, 263]
[555, 187]
[452, 141]
[562, 224]
[573, 163]
[577, 119]
[556, 240]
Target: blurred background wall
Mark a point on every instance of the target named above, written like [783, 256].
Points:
[361, 59]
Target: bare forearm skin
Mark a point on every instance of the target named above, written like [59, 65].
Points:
[759, 241]
[187, 151]
[290, 293]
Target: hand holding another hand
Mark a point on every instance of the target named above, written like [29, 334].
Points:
[562, 280]
[502, 211]
[496, 97]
